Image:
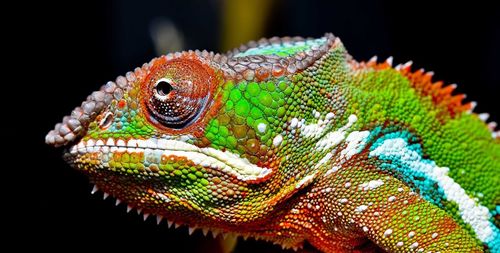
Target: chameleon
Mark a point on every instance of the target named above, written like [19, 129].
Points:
[291, 140]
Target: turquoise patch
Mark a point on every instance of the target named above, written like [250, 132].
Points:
[416, 179]
[413, 169]
[283, 49]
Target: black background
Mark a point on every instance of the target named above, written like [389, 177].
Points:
[68, 51]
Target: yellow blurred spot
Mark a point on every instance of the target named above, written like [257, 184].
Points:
[243, 20]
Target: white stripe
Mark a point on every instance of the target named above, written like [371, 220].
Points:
[474, 214]
[153, 150]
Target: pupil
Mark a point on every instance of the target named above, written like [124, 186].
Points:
[163, 88]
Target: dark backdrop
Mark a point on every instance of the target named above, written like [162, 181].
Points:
[69, 50]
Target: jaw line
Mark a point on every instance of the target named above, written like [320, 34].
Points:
[192, 226]
[153, 149]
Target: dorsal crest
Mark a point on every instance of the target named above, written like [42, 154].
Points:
[442, 96]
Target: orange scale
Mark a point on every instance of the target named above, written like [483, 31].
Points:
[262, 74]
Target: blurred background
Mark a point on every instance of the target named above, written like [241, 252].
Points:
[71, 48]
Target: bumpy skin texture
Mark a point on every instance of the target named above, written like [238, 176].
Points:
[290, 140]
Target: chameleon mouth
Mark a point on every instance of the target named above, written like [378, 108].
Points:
[154, 149]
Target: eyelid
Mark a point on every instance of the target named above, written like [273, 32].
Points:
[191, 83]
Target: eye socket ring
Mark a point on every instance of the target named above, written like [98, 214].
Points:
[177, 92]
[173, 103]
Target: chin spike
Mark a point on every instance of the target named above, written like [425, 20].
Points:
[105, 195]
[129, 208]
[176, 225]
[139, 211]
[215, 233]
[117, 202]
[205, 231]
[158, 219]
[145, 216]
[94, 190]
[169, 223]
[191, 230]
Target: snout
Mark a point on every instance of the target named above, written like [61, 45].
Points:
[75, 125]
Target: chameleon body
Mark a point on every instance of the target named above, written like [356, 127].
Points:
[291, 140]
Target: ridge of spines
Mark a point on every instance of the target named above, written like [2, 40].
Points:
[441, 94]
[216, 232]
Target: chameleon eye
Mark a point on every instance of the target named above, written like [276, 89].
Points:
[177, 94]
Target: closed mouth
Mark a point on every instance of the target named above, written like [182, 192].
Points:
[153, 150]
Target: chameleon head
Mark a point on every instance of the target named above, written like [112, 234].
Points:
[190, 136]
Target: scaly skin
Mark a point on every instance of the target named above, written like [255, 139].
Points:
[290, 140]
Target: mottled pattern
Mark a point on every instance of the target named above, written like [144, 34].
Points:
[289, 140]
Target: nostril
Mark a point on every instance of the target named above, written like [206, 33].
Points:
[106, 120]
[81, 116]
